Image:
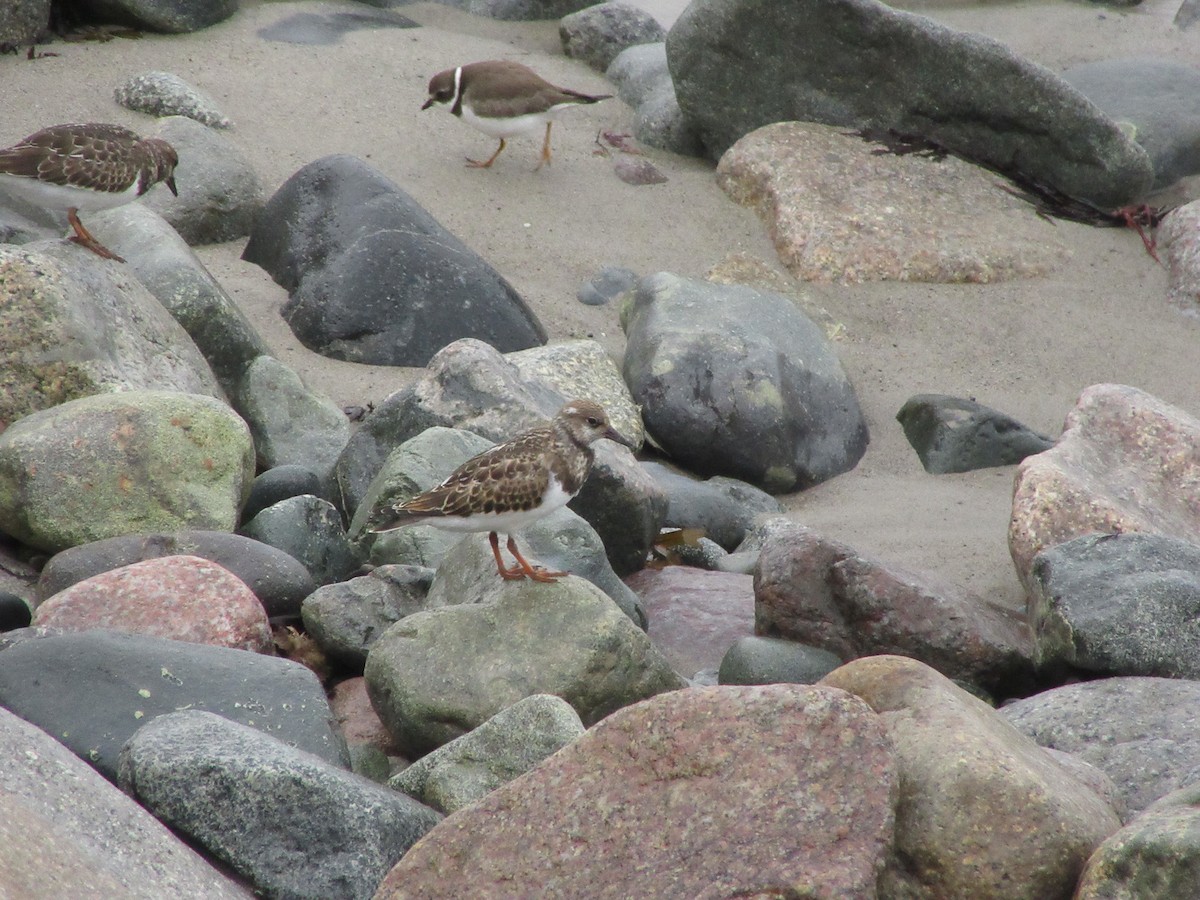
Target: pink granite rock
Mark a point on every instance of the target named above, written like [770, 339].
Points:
[184, 598]
[1179, 247]
[1126, 461]
[986, 813]
[839, 210]
[695, 615]
[823, 593]
[356, 717]
[772, 791]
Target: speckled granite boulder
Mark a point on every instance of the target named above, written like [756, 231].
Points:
[598, 33]
[1126, 461]
[758, 768]
[165, 94]
[114, 464]
[183, 598]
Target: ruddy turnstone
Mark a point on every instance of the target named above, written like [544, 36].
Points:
[86, 167]
[503, 99]
[512, 484]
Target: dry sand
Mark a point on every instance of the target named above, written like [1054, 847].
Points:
[1025, 347]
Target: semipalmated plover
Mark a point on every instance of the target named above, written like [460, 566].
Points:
[512, 485]
[503, 99]
[86, 167]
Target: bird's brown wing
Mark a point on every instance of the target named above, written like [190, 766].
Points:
[64, 164]
[494, 96]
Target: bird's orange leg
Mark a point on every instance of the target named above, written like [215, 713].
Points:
[84, 238]
[545, 161]
[513, 574]
[476, 164]
[536, 573]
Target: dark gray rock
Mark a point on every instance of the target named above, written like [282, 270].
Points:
[519, 10]
[1118, 604]
[723, 507]
[93, 690]
[609, 282]
[643, 81]
[741, 64]
[1144, 733]
[508, 744]
[172, 272]
[220, 194]
[14, 612]
[599, 33]
[436, 675]
[951, 434]
[734, 381]
[277, 579]
[374, 278]
[108, 332]
[22, 22]
[288, 821]
[1157, 100]
[165, 16]
[764, 660]
[66, 832]
[164, 94]
[345, 619]
[310, 530]
[280, 483]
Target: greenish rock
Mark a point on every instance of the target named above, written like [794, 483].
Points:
[768, 660]
[508, 744]
[70, 328]
[126, 463]
[309, 529]
[438, 674]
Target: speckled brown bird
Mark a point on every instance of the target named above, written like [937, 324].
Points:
[87, 166]
[512, 484]
[504, 99]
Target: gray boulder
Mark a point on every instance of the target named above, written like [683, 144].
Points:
[724, 507]
[643, 81]
[165, 16]
[951, 434]
[1144, 733]
[764, 660]
[108, 331]
[94, 689]
[436, 675]
[309, 529]
[735, 381]
[519, 10]
[22, 22]
[1118, 604]
[114, 464]
[599, 33]
[280, 483]
[508, 744]
[374, 278]
[66, 832]
[288, 821]
[742, 64]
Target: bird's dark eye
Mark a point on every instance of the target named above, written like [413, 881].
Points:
[593, 421]
[443, 96]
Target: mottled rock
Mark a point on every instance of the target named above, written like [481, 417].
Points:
[310, 530]
[1118, 604]
[1179, 247]
[66, 832]
[598, 33]
[286, 820]
[823, 593]
[1126, 461]
[719, 792]
[763, 660]
[738, 382]
[22, 22]
[694, 615]
[347, 618]
[837, 210]
[131, 679]
[356, 718]
[1144, 733]
[164, 94]
[374, 278]
[109, 332]
[723, 507]
[437, 674]
[951, 434]
[741, 64]
[278, 581]
[986, 812]
[184, 598]
[114, 464]
[508, 744]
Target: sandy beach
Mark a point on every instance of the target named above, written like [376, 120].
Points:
[1025, 347]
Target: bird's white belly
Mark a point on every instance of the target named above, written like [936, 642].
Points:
[506, 522]
[63, 196]
[512, 127]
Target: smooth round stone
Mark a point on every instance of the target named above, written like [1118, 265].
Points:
[610, 282]
[764, 660]
[277, 484]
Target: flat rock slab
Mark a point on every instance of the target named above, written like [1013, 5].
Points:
[840, 210]
[776, 791]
